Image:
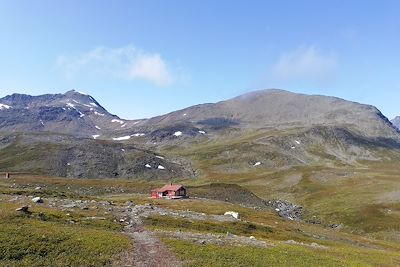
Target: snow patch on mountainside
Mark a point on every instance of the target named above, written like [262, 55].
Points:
[138, 134]
[119, 121]
[178, 133]
[122, 138]
[4, 106]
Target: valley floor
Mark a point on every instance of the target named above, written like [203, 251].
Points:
[115, 223]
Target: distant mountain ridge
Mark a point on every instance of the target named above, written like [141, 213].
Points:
[70, 113]
[280, 108]
[72, 135]
[81, 115]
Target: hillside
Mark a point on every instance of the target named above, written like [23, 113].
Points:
[71, 113]
[281, 109]
[263, 129]
[112, 223]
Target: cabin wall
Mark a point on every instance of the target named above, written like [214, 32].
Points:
[169, 193]
[155, 195]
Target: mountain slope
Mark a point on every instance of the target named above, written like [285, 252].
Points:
[263, 129]
[279, 109]
[81, 115]
[72, 113]
[68, 156]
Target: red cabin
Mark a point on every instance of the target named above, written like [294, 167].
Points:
[171, 191]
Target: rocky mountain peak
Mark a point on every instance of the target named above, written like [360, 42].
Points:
[72, 112]
[396, 122]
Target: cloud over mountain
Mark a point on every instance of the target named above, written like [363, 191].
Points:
[305, 63]
[126, 63]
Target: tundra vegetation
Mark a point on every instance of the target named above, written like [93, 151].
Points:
[314, 179]
[79, 223]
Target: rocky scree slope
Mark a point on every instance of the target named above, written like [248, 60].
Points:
[68, 156]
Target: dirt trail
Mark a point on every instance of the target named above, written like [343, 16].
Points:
[149, 251]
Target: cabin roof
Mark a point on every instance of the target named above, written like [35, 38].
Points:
[169, 187]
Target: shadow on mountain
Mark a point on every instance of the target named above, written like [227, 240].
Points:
[218, 123]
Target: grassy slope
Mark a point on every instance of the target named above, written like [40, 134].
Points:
[46, 236]
[343, 249]
[47, 240]
[353, 195]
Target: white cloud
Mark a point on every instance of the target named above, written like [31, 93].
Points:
[129, 63]
[305, 63]
[152, 68]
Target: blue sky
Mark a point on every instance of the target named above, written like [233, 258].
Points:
[145, 58]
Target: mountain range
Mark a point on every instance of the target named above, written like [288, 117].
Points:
[72, 135]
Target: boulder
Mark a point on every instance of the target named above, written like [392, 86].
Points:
[23, 209]
[234, 214]
[37, 200]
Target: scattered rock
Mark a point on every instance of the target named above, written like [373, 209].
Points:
[312, 245]
[229, 234]
[38, 188]
[24, 209]
[37, 200]
[316, 245]
[314, 221]
[234, 214]
[201, 242]
[42, 216]
[129, 204]
[149, 206]
[69, 206]
[13, 199]
[94, 218]
[217, 239]
[287, 210]
[336, 226]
